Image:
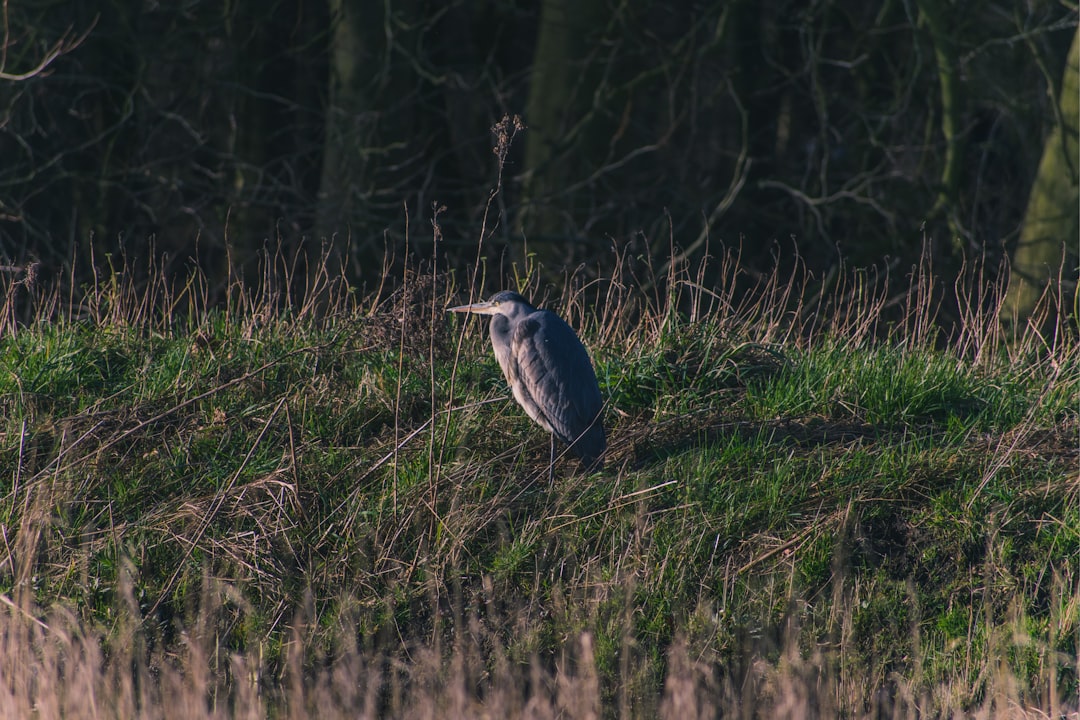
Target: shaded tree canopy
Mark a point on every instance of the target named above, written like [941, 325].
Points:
[840, 130]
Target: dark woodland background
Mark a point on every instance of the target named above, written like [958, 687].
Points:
[838, 132]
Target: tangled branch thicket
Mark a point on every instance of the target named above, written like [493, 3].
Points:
[848, 132]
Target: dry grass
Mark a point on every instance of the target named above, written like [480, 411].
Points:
[57, 665]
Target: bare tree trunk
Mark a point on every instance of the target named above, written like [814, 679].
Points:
[950, 91]
[352, 47]
[561, 91]
[373, 120]
[1051, 224]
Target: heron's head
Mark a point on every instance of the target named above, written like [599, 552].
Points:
[506, 303]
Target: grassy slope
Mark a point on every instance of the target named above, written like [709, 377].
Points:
[900, 518]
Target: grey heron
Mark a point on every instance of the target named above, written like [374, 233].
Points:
[549, 372]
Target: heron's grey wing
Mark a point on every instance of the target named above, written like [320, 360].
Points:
[555, 372]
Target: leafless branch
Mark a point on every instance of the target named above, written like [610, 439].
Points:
[64, 45]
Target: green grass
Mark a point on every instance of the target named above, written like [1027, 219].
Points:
[783, 508]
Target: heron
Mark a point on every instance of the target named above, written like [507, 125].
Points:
[549, 372]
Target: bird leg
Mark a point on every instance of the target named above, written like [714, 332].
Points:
[551, 462]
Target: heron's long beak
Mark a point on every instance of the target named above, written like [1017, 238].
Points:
[480, 308]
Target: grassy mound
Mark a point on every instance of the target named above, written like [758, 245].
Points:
[829, 508]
